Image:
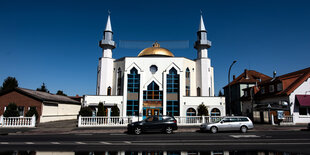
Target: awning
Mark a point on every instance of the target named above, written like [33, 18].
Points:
[303, 100]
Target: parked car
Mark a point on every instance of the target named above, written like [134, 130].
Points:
[231, 123]
[165, 124]
[308, 127]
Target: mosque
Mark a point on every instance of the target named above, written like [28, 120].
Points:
[156, 82]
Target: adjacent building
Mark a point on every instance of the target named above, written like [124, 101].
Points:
[156, 82]
[50, 107]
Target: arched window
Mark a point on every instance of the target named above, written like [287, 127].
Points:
[109, 91]
[119, 82]
[153, 92]
[133, 88]
[215, 112]
[188, 83]
[198, 91]
[173, 104]
[191, 112]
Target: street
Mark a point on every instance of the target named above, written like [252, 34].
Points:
[283, 141]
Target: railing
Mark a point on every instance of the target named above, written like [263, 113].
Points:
[102, 121]
[17, 121]
[288, 120]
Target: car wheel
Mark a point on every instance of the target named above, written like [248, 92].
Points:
[243, 129]
[138, 130]
[213, 129]
[169, 130]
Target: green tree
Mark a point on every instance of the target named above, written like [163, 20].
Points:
[114, 111]
[43, 88]
[32, 111]
[101, 110]
[202, 110]
[85, 111]
[8, 84]
[11, 111]
[60, 92]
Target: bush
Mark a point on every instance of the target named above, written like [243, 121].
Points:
[114, 111]
[86, 111]
[202, 110]
[32, 111]
[11, 111]
[101, 110]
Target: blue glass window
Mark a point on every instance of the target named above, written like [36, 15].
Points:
[153, 93]
[133, 81]
[172, 81]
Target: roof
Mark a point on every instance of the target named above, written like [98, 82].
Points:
[303, 100]
[44, 96]
[249, 76]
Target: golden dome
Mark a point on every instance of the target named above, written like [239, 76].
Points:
[156, 50]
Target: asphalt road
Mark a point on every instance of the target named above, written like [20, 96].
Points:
[283, 141]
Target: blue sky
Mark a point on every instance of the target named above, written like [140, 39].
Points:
[56, 41]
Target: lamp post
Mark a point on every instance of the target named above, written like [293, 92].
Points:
[229, 93]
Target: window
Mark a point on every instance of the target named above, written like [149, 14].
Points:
[21, 110]
[191, 112]
[187, 84]
[172, 81]
[262, 90]
[153, 69]
[304, 111]
[132, 108]
[133, 81]
[271, 88]
[153, 92]
[173, 108]
[279, 87]
[119, 81]
[215, 112]
[109, 91]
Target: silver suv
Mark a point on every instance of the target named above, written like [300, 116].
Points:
[229, 123]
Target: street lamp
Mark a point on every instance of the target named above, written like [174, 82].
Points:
[229, 93]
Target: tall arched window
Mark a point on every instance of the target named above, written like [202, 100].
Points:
[119, 82]
[153, 92]
[109, 91]
[215, 112]
[133, 88]
[173, 82]
[188, 83]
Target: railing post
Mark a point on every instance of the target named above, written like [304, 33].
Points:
[79, 122]
[33, 121]
[1, 120]
[203, 119]
[272, 119]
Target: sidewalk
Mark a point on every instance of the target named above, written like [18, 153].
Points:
[69, 127]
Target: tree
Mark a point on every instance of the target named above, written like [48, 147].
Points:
[8, 84]
[32, 111]
[202, 110]
[220, 93]
[114, 111]
[11, 111]
[85, 111]
[60, 92]
[43, 88]
[101, 110]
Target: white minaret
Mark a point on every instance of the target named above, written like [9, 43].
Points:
[204, 70]
[105, 67]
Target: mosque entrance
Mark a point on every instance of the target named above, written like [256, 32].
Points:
[150, 112]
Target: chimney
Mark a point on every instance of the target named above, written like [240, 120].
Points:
[234, 77]
[246, 76]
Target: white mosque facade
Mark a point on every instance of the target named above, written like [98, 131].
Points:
[156, 82]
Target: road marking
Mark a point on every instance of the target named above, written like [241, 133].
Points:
[55, 142]
[80, 143]
[105, 143]
[4, 142]
[127, 142]
[117, 134]
[244, 136]
[29, 143]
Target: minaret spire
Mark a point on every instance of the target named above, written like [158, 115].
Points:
[202, 44]
[108, 27]
[201, 25]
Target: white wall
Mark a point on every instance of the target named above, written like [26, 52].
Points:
[60, 111]
[209, 102]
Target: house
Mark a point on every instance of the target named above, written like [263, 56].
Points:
[49, 106]
[289, 93]
[247, 79]
[155, 81]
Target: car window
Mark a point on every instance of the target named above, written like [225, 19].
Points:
[149, 119]
[160, 118]
[234, 119]
[226, 120]
[243, 119]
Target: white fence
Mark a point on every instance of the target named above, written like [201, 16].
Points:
[17, 121]
[102, 121]
[288, 120]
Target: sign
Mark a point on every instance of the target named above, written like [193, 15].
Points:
[280, 114]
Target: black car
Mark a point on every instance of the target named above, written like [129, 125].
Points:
[154, 124]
